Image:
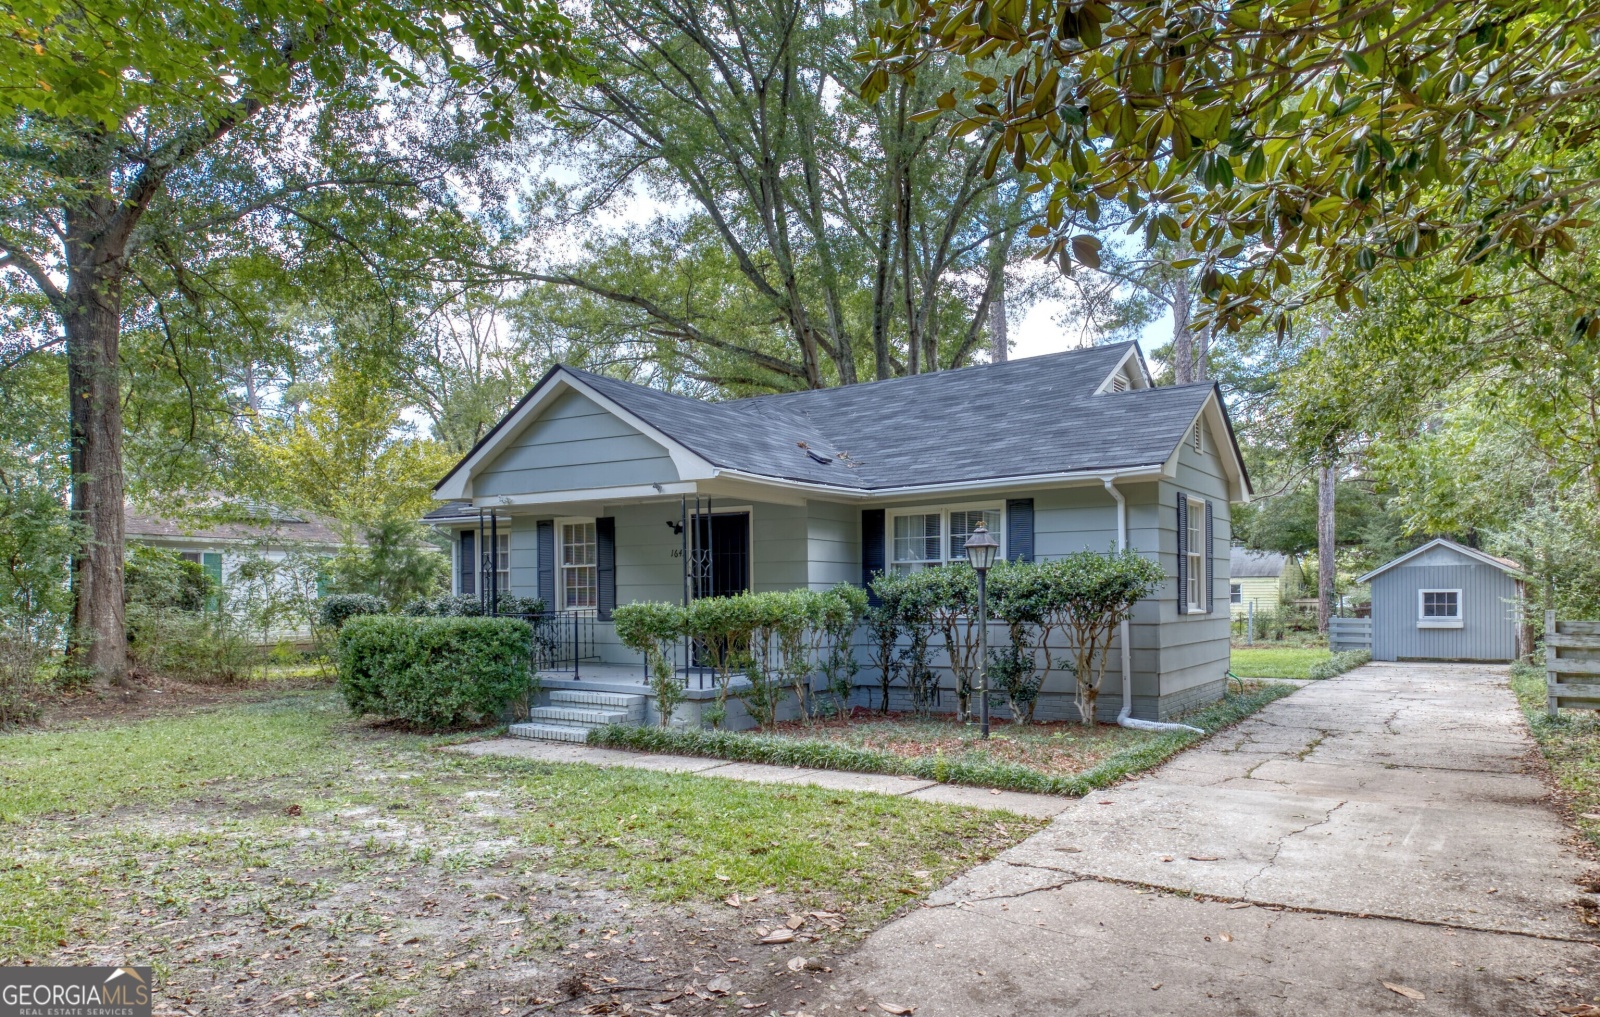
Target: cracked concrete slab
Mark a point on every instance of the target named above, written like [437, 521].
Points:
[1096, 948]
[1397, 801]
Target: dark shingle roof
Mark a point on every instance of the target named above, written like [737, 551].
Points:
[1245, 564]
[1021, 418]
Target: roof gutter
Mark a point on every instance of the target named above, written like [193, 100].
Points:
[1151, 472]
[1125, 716]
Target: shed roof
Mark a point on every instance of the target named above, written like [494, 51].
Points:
[1247, 564]
[1505, 565]
[1023, 418]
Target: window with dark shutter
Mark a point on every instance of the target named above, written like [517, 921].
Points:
[872, 550]
[545, 547]
[605, 531]
[1183, 553]
[1019, 529]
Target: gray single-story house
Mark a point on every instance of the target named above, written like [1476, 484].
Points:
[593, 492]
[1446, 601]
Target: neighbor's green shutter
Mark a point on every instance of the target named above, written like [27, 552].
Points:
[211, 561]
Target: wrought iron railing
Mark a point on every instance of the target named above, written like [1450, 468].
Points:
[562, 641]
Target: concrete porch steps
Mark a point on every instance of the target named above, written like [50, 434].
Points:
[573, 713]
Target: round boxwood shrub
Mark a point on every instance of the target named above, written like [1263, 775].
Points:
[337, 608]
[435, 672]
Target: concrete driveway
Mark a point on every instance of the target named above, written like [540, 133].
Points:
[1386, 826]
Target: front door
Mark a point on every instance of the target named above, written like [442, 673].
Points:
[722, 554]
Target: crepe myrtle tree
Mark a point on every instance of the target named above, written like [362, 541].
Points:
[650, 628]
[1091, 594]
[112, 118]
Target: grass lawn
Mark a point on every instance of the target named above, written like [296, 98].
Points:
[1277, 661]
[277, 854]
[1049, 758]
[1571, 745]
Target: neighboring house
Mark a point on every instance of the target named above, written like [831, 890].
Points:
[1444, 601]
[220, 547]
[603, 492]
[1263, 578]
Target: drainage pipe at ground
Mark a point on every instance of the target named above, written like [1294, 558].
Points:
[1125, 717]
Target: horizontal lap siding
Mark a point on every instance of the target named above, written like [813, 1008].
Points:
[1264, 590]
[575, 445]
[780, 548]
[1194, 647]
[524, 558]
[833, 536]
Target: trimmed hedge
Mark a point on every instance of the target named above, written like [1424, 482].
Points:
[435, 672]
[1339, 663]
[821, 754]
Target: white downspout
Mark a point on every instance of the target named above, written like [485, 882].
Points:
[1125, 716]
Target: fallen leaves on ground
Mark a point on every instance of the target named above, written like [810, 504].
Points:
[1405, 990]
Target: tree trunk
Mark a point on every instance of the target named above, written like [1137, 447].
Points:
[1182, 338]
[93, 320]
[1202, 355]
[999, 339]
[1326, 474]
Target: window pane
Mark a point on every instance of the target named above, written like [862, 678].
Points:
[962, 524]
[577, 544]
[916, 538]
[1440, 604]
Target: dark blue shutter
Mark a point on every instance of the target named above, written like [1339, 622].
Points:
[872, 548]
[605, 537]
[1183, 553]
[1210, 545]
[467, 585]
[1019, 529]
[545, 543]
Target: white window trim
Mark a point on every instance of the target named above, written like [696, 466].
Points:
[502, 562]
[560, 577]
[1236, 593]
[1195, 556]
[1436, 621]
[944, 528]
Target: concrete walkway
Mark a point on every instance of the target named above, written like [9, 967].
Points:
[1042, 806]
[1386, 826]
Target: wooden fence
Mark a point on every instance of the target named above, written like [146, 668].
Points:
[1349, 634]
[1572, 664]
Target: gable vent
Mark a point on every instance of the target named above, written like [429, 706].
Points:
[1119, 382]
[1198, 438]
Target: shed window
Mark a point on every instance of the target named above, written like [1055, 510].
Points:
[580, 559]
[1439, 609]
[1195, 550]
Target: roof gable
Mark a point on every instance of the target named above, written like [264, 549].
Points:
[1441, 547]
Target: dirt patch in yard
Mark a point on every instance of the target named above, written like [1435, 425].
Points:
[271, 857]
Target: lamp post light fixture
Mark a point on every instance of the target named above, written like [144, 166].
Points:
[981, 549]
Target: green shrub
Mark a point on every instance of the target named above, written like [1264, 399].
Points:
[1339, 663]
[435, 672]
[200, 647]
[337, 608]
[650, 627]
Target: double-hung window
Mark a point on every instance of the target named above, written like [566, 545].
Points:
[929, 537]
[1195, 550]
[1439, 609]
[502, 562]
[580, 574]
[1236, 593]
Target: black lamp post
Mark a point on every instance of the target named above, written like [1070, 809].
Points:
[981, 547]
